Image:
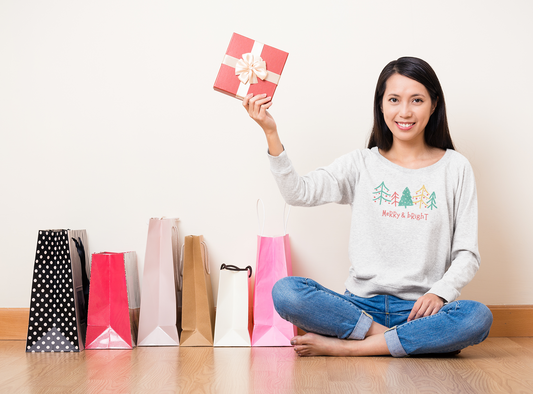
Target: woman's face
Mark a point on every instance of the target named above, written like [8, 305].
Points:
[406, 108]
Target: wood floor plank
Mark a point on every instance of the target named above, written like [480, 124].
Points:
[493, 358]
[498, 365]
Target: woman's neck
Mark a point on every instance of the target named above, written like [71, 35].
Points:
[412, 156]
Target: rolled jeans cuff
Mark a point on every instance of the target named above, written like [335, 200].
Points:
[362, 326]
[393, 343]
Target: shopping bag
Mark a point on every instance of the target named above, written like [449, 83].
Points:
[114, 307]
[158, 315]
[198, 316]
[233, 323]
[273, 263]
[58, 311]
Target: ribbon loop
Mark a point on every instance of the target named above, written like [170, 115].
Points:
[250, 67]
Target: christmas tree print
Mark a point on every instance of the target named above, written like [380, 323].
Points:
[431, 202]
[421, 197]
[406, 200]
[394, 199]
[381, 194]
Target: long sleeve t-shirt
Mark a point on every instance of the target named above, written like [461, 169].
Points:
[413, 231]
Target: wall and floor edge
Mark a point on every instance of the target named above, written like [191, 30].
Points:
[509, 321]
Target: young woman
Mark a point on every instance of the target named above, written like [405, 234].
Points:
[413, 240]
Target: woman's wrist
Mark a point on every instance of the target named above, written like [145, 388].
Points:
[275, 148]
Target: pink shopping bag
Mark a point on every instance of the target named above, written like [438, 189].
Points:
[114, 301]
[158, 321]
[273, 263]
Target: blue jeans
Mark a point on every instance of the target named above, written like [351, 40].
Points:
[314, 308]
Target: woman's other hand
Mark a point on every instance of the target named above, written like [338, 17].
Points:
[427, 305]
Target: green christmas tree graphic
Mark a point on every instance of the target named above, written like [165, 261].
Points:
[381, 193]
[406, 200]
[431, 202]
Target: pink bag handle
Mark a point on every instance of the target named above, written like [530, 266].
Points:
[285, 217]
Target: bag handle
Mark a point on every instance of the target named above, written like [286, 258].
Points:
[177, 259]
[84, 277]
[206, 259]
[286, 217]
[286, 214]
[180, 273]
[261, 229]
[235, 268]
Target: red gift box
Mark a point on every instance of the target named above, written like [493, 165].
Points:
[249, 67]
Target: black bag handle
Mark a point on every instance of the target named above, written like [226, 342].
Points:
[235, 268]
[84, 277]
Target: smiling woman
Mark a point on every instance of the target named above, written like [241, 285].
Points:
[413, 237]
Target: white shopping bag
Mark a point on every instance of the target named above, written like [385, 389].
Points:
[233, 325]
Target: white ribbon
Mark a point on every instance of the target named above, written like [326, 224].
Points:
[250, 67]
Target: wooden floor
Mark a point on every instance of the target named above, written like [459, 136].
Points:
[499, 365]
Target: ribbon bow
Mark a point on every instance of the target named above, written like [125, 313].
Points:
[250, 67]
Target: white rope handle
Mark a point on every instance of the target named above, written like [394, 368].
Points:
[286, 214]
[286, 218]
[261, 229]
[206, 260]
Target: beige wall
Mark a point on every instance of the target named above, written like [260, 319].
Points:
[108, 118]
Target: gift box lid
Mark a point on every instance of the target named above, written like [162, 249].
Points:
[249, 66]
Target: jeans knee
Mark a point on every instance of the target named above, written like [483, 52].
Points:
[480, 320]
[284, 294]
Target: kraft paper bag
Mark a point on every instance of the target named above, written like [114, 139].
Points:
[158, 323]
[198, 316]
[233, 323]
[273, 263]
[58, 308]
[113, 316]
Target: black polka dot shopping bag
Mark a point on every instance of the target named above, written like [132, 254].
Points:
[59, 292]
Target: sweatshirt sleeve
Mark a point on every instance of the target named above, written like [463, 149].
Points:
[332, 184]
[465, 257]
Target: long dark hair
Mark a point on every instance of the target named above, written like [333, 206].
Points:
[437, 133]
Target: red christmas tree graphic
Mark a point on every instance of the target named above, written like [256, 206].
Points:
[394, 199]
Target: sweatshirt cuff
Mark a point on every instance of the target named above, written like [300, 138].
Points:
[279, 164]
[444, 291]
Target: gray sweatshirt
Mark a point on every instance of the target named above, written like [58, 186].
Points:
[412, 232]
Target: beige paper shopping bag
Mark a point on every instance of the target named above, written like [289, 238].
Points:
[198, 316]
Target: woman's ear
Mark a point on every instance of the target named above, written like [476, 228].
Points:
[434, 106]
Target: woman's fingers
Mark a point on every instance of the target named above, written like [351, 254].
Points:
[257, 106]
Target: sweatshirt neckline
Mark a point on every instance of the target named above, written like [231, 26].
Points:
[390, 164]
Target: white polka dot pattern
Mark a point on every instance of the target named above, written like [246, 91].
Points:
[52, 326]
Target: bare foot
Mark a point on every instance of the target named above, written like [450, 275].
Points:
[317, 345]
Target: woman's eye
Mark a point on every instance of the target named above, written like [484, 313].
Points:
[418, 101]
[393, 100]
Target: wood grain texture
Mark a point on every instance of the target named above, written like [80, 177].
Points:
[14, 323]
[498, 365]
[512, 320]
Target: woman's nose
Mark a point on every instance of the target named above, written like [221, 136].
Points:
[405, 111]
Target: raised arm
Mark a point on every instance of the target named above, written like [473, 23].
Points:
[257, 109]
